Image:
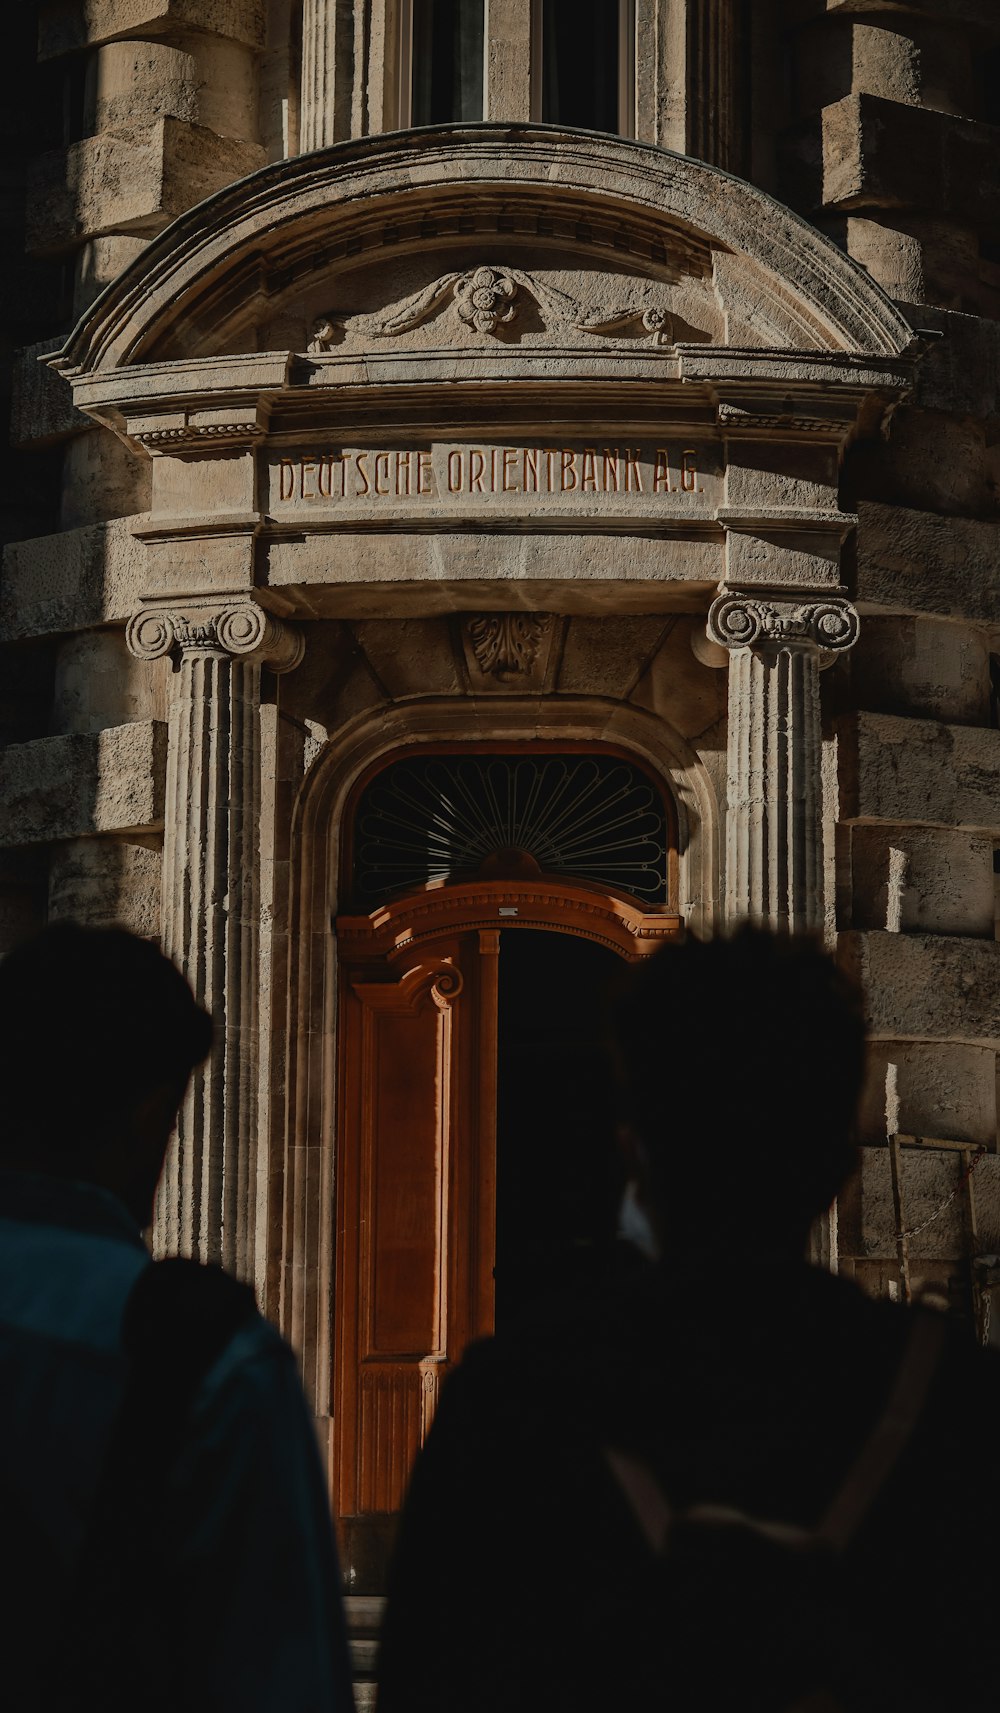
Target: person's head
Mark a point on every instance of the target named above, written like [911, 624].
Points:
[742, 1061]
[99, 1034]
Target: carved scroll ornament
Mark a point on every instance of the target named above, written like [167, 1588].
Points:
[245, 632]
[748, 621]
[488, 298]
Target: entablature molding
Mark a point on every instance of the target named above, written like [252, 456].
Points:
[182, 408]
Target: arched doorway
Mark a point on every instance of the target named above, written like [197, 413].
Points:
[468, 1027]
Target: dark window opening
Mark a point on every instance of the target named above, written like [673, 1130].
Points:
[581, 48]
[447, 61]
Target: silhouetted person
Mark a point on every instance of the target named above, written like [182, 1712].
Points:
[167, 1536]
[620, 1501]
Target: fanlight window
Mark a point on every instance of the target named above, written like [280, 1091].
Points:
[590, 818]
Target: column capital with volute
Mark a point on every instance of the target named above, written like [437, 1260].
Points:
[828, 623]
[242, 630]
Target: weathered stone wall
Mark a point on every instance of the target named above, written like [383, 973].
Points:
[122, 113]
[889, 143]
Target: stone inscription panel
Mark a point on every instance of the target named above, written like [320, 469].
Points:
[599, 477]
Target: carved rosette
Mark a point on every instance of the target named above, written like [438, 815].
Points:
[746, 621]
[485, 298]
[245, 632]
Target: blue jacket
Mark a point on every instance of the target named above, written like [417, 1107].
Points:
[257, 1541]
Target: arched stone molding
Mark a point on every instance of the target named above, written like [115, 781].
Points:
[209, 273]
[303, 1300]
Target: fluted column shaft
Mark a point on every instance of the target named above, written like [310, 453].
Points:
[321, 31]
[774, 837]
[211, 914]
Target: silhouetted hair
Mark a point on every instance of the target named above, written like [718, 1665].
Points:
[742, 1062]
[91, 1020]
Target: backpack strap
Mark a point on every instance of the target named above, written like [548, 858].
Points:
[858, 1491]
[884, 1445]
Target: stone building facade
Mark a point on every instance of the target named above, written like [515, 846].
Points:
[627, 433]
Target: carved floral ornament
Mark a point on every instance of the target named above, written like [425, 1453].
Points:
[243, 632]
[489, 298]
[506, 644]
[747, 621]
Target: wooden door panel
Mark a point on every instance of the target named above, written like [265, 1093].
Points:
[411, 1221]
[404, 1173]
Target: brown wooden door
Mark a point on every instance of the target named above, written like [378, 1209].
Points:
[415, 1213]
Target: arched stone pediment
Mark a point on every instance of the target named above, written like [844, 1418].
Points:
[488, 242]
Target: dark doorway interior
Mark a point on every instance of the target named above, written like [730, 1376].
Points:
[558, 1177]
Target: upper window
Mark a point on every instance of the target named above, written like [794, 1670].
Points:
[584, 64]
[443, 71]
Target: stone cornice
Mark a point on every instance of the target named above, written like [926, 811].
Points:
[242, 630]
[190, 409]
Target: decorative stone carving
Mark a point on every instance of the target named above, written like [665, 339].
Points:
[244, 630]
[507, 644]
[774, 834]
[327, 331]
[745, 621]
[201, 434]
[486, 298]
[210, 917]
[732, 416]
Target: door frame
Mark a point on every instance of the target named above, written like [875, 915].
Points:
[304, 975]
[409, 971]
[546, 902]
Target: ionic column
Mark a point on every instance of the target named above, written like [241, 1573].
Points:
[211, 909]
[774, 843]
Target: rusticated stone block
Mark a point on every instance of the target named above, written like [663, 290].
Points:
[103, 479]
[932, 461]
[922, 879]
[67, 25]
[42, 408]
[919, 770]
[930, 1088]
[69, 582]
[981, 12]
[66, 787]
[134, 179]
[927, 987]
[927, 1181]
[105, 881]
[98, 684]
[925, 667]
[961, 371]
[916, 562]
[884, 153]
